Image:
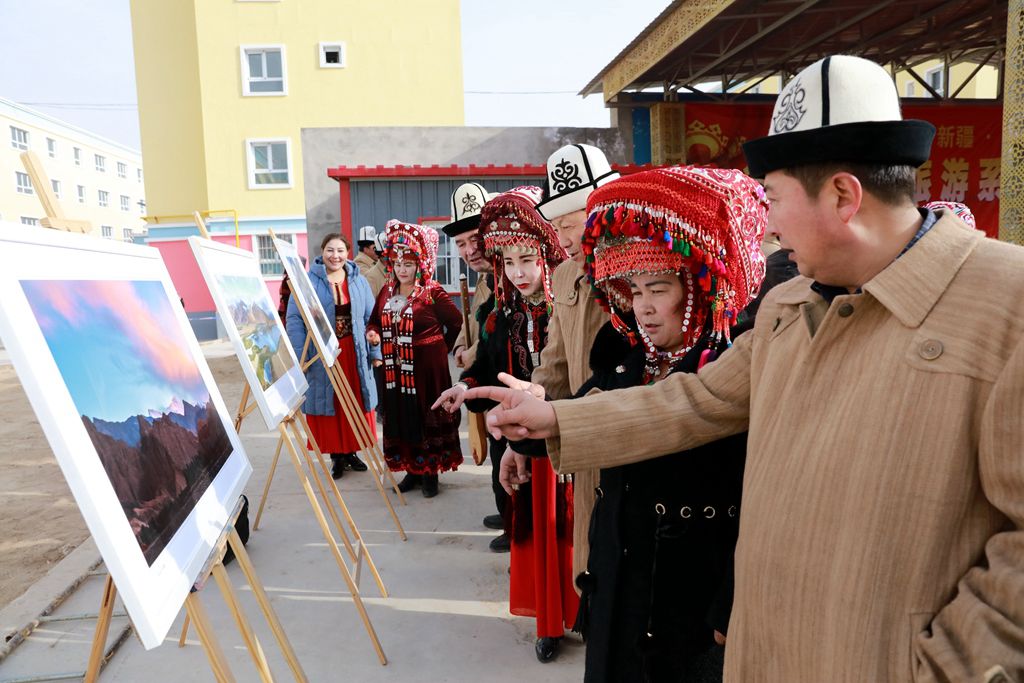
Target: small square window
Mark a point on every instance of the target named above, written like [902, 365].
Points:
[28, 220]
[56, 188]
[332, 55]
[138, 174]
[269, 163]
[127, 234]
[51, 147]
[81, 194]
[270, 262]
[264, 70]
[104, 197]
[78, 156]
[19, 138]
[122, 169]
[125, 203]
[107, 231]
[22, 183]
[101, 163]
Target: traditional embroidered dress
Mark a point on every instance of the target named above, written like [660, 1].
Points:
[539, 521]
[417, 332]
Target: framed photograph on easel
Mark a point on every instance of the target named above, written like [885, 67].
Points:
[320, 327]
[113, 371]
[250, 317]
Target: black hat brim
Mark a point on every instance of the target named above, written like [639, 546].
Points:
[871, 142]
[462, 225]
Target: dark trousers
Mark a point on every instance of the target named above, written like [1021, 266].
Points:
[497, 449]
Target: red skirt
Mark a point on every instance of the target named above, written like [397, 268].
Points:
[332, 432]
[541, 583]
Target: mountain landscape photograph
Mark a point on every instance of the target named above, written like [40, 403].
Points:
[255, 318]
[302, 285]
[139, 395]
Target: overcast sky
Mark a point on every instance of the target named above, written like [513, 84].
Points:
[72, 59]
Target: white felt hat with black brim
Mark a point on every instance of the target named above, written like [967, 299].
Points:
[367, 233]
[467, 200]
[841, 108]
[573, 172]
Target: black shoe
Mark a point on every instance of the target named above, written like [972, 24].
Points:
[409, 482]
[494, 522]
[353, 462]
[337, 466]
[429, 485]
[501, 544]
[547, 649]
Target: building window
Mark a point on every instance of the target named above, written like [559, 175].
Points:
[138, 174]
[122, 169]
[933, 77]
[125, 203]
[332, 55]
[269, 163]
[22, 183]
[51, 147]
[56, 188]
[19, 138]
[106, 231]
[263, 70]
[270, 263]
[28, 220]
[104, 197]
[909, 89]
[81, 194]
[127, 234]
[101, 163]
[78, 156]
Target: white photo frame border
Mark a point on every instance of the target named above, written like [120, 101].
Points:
[328, 348]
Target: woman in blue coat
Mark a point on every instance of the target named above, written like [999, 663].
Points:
[342, 289]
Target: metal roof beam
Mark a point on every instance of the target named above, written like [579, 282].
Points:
[901, 48]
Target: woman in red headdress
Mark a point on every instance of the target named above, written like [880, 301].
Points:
[416, 324]
[524, 250]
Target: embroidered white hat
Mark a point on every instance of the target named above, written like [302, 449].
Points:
[367, 234]
[467, 200]
[841, 108]
[574, 171]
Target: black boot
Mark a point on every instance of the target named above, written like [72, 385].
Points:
[429, 485]
[353, 462]
[337, 466]
[494, 522]
[500, 544]
[547, 649]
[409, 482]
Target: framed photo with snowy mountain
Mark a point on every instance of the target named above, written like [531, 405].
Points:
[320, 326]
[110, 364]
[250, 317]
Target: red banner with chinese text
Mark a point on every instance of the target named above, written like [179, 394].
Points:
[964, 166]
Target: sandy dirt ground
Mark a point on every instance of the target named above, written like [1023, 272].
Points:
[41, 522]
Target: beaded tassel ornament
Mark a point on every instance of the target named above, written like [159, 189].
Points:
[704, 224]
[404, 241]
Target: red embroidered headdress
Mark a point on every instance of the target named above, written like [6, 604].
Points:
[404, 240]
[961, 211]
[704, 224]
[511, 222]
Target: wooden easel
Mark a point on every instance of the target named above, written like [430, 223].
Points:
[54, 214]
[196, 612]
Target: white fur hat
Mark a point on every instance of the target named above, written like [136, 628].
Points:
[841, 108]
[574, 171]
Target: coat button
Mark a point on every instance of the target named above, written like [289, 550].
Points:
[930, 349]
[845, 310]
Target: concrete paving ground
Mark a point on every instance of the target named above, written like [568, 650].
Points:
[446, 618]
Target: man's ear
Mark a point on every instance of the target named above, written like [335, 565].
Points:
[847, 194]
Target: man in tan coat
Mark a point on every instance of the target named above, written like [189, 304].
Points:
[882, 522]
[573, 172]
[368, 259]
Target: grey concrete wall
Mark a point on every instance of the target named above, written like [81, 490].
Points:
[324, 148]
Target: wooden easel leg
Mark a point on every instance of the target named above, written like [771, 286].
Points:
[266, 487]
[332, 544]
[218, 663]
[245, 564]
[99, 640]
[360, 543]
[380, 487]
[252, 643]
[184, 631]
[241, 407]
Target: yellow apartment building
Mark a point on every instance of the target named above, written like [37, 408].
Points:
[95, 179]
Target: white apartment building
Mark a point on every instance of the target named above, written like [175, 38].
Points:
[95, 179]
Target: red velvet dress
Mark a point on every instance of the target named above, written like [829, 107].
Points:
[417, 439]
[332, 432]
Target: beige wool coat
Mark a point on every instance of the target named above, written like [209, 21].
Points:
[564, 368]
[882, 520]
[373, 271]
[481, 293]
